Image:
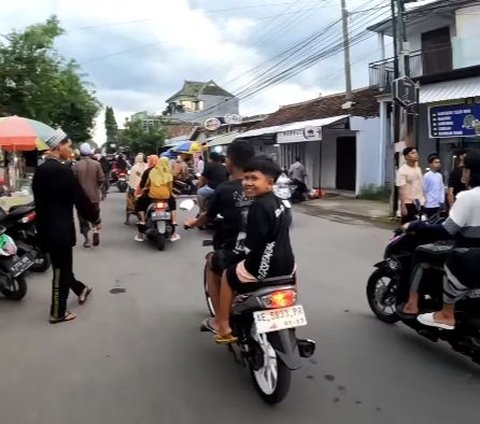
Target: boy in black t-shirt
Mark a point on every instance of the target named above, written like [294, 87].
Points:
[267, 246]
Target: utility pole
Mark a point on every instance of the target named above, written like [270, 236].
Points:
[346, 52]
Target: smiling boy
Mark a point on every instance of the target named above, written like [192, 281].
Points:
[269, 254]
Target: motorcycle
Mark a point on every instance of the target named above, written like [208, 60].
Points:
[122, 183]
[187, 187]
[159, 226]
[389, 285]
[20, 224]
[13, 266]
[265, 320]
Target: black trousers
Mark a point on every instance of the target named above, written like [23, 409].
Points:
[63, 280]
[411, 213]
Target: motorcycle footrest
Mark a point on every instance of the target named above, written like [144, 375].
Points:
[306, 347]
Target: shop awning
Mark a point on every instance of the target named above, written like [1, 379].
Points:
[222, 140]
[450, 90]
[300, 125]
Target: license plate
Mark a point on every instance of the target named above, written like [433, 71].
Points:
[161, 215]
[279, 319]
[21, 265]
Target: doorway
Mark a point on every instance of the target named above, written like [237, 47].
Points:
[346, 174]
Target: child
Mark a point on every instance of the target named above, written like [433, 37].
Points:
[267, 246]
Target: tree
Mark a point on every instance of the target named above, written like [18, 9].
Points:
[136, 139]
[36, 82]
[111, 129]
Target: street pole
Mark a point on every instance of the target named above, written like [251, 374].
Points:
[346, 52]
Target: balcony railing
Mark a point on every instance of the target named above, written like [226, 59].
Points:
[381, 72]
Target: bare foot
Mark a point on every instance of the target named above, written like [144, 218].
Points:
[224, 331]
[410, 309]
[442, 319]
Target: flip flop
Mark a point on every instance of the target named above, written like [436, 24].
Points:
[225, 340]
[83, 297]
[69, 316]
[206, 326]
[96, 239]
[429, 320]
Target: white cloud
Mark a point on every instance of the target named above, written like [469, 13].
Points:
[139, 53]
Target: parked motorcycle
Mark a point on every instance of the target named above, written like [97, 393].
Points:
[14, 263]
[20, 224]
[389, 286]
[159, 226]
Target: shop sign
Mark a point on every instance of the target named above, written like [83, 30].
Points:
[232, 119]
[454, 121]
[212, 124]
[299, 136]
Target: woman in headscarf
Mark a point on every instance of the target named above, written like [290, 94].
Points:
[160, 187]
[133, 182]
[141, 194]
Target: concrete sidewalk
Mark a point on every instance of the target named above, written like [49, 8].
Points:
[348, 207]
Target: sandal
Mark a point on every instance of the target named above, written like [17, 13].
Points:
[87, 245]
[206, 326]
[225, 340]
[175, 237]
[69, 316]
[84, 296]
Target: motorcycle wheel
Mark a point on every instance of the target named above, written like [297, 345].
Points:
[208, 299]
[17, 290]
[382, 295]
[42, 263]
[161, 241]
[272, 379]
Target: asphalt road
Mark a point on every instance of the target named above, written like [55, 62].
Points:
[135, 356]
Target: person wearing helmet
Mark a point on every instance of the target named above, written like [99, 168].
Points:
[90, 175]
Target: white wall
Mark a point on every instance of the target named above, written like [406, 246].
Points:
[329, 159]
[465, 45]
[370, 152]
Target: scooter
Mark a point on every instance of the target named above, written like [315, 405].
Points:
[265, 320]
[159, 225]
[20, 224]
[122, 183]
[389, 285]
[14, 263]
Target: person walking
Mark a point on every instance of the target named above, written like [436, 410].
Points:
[56, 191]
[133, 183]
[106, 168]
[410, 184]
[455, 182]
[90, 175]
[434, 187]
[297, 174]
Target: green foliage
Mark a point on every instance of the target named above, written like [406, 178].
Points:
[136, 139]
[37, 83]
[111, 126]
[373, 192]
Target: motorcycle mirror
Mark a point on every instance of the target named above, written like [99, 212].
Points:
[187, 205]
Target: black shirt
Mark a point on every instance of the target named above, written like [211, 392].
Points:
[56, 191]
[230, 203]
[215, 173]
[269, 251]
[455, 181]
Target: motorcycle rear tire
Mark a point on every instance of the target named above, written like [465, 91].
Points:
[18, 294]
[43, 265]
[161, 241]
[208, 299]
[371, 288]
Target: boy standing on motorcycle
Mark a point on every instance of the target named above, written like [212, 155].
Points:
[269, 254]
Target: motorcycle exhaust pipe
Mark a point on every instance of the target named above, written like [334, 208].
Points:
[306, 347]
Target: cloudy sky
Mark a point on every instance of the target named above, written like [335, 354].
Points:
[138, 53]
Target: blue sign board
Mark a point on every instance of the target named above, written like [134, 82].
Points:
[455, 121]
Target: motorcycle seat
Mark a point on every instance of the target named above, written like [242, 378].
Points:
[267, 285]
[18, 211]
[433, 252]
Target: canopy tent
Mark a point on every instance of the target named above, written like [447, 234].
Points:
[222, 140]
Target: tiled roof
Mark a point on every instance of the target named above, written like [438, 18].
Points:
[366, 105]
[195, 88]
[173, 131]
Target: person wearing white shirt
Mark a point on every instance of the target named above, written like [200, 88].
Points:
[434, 187]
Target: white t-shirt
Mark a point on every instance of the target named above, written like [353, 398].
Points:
[465, 214]
[412, 178]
